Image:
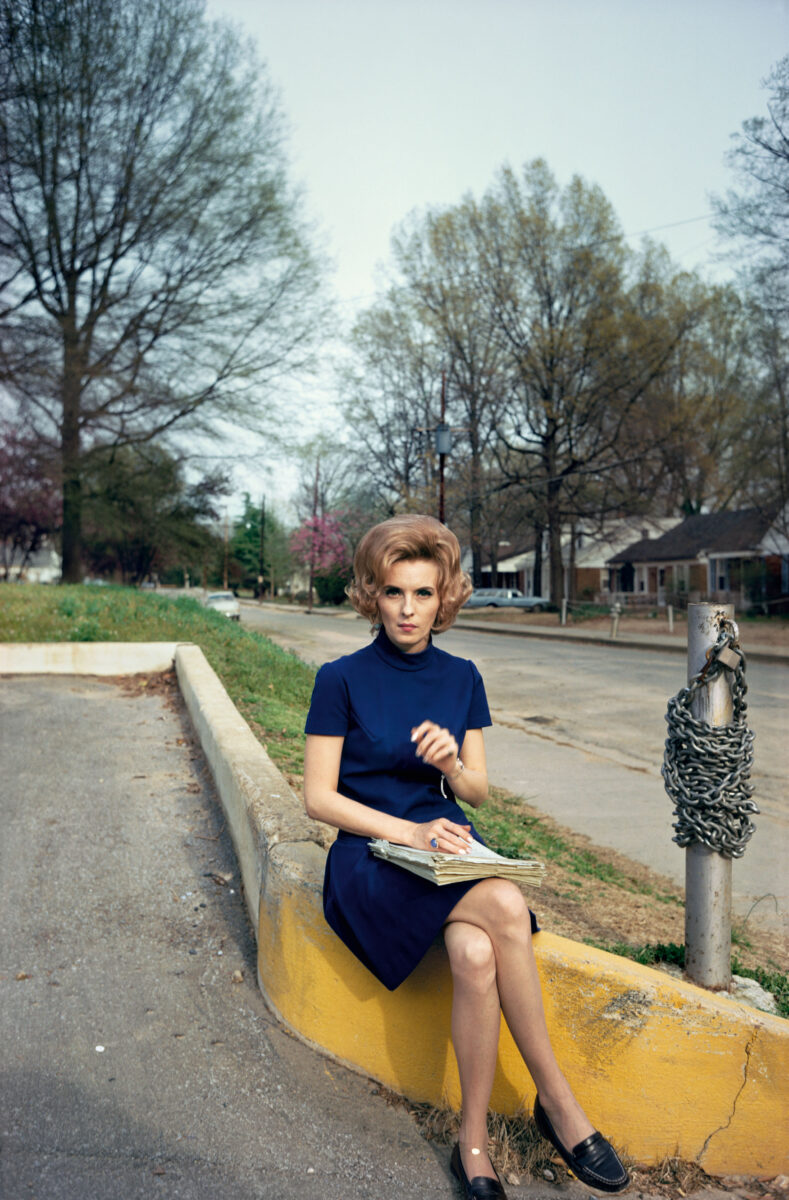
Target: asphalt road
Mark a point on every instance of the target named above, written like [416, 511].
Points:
[132, 1065]
[579, 732]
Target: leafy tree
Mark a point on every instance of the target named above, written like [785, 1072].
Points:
[567, 302]
[269, 557]
[143, 517]
[553, 334]
[155, 274]
[30, 509]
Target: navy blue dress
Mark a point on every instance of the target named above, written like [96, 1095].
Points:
[385, 915]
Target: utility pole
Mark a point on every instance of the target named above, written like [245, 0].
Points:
[443, 446]
[314, 530]
[262, 554]
[227, 542]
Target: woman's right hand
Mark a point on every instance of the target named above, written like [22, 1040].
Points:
[444, 835]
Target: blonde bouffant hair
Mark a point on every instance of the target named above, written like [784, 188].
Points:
[400, 539]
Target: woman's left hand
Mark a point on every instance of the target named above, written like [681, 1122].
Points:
[436, 746]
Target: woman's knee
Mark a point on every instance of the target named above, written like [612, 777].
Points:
[471, 954]
[507, 906]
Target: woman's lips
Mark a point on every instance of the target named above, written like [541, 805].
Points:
[407, 628]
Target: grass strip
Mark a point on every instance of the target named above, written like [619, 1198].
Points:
[654, 953]
[515, 833]
[270, 687]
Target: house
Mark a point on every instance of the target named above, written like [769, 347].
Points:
[42, 566]
[739, 558]
[589, 568]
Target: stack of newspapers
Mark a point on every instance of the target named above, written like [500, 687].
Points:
[479, 863]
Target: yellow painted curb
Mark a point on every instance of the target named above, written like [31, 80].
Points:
[664, 1067]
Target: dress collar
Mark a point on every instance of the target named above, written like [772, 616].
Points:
[397, 658]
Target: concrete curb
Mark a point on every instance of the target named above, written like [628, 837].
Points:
[85, 658]
[669, 1068]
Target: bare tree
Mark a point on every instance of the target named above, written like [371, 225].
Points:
[581, 347]
[755, 215]
[754, 218]
[437, 256]
[391, 395]
[154, 273]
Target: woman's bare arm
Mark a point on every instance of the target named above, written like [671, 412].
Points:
[324, 803]
[438, 747]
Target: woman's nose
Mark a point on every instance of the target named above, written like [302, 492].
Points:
[408, 604]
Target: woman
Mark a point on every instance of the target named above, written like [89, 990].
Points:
[394, 740]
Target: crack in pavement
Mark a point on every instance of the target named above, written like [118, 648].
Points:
[722, 1128]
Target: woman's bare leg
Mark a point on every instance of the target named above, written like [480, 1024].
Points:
[476, 1019]
[498, 907]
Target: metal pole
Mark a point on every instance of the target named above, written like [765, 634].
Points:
[563, 619]
[671, 618]
[707, 873]
[227, 539]
[442, 458]
[262, 550]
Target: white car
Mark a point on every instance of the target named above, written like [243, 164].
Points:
[505, 598]
[224, 602]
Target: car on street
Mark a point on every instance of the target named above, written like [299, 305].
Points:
[505, 598]
[224, 602]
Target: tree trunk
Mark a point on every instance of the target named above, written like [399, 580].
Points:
[554, 515]
[536, 586]
[475, 513]
[571, 589]
[72, 466]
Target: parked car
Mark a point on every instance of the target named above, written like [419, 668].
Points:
[224, 602]
[505, 598]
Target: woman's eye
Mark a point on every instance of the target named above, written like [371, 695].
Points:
[391, 591]
[425, 592]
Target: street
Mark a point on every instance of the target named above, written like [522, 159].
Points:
[579, 732]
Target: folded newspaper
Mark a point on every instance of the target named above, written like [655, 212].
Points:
[479, 863]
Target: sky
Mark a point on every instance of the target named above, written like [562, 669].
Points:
[395, 105]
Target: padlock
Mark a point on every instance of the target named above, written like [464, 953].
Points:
[729, 657]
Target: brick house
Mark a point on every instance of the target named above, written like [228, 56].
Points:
[739, 558]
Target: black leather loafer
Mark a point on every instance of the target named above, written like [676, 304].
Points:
[594, 1160]
[478, 1188]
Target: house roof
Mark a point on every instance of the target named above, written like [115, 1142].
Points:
[705, 533]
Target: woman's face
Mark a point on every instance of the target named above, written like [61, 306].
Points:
[408, 603]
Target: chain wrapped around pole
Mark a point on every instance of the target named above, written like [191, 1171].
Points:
[706, 769]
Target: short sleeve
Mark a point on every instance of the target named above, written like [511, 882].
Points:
[329, 707]
[478, 711]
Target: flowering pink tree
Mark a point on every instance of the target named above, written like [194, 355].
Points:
[320, 544]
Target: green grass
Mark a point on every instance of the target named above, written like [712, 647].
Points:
[515, 833]
[272, 689]
[659, 952]
[269, 686]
